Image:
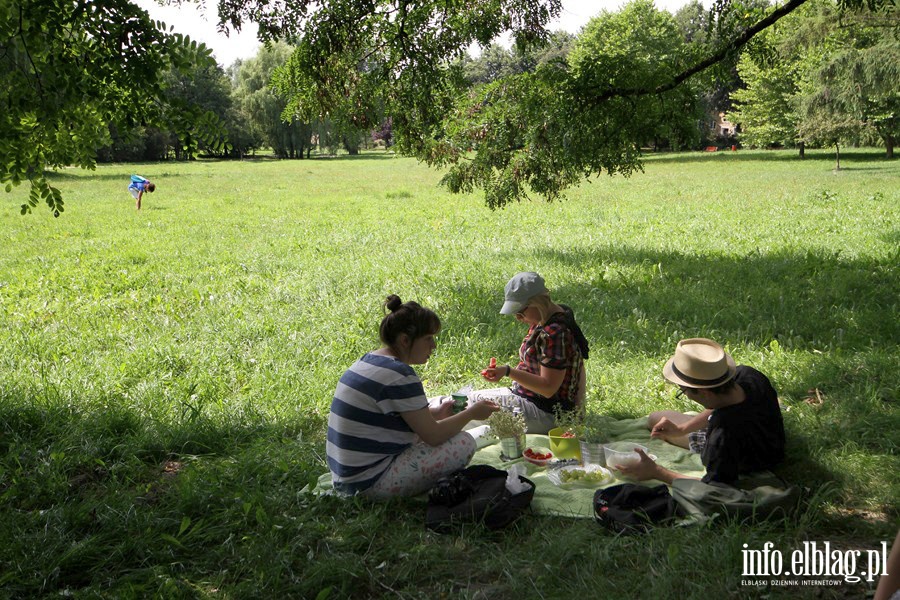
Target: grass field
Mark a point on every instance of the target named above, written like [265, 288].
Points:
[165, 376]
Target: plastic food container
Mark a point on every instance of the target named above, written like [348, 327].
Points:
[563, 447]
[622, 453]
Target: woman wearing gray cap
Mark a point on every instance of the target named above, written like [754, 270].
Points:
[550, 375]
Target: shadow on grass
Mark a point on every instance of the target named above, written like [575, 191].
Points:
[363, 156]
[806, 300]
[57, 453]
[892, 237]
[834, 318]
[766, 156]
[637, 302]
[94, 176]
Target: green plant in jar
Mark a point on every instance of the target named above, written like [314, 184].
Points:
[506, 424]
[594, 428]
[570, 421]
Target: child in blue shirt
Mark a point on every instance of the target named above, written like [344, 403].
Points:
[138, 186]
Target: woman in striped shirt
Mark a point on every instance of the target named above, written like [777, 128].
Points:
[384, 439]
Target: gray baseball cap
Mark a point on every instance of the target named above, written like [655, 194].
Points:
[520, 289]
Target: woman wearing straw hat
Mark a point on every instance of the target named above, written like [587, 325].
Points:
[740, 430]
[550, 376]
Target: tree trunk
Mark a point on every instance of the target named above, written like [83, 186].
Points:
[837, 155]
[889, 146]
[802, 149]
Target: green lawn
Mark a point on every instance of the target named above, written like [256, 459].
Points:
[165, 376]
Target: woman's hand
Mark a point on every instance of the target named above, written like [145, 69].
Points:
[444, 410]
[437, 431]
[482, 409]
[496, 373]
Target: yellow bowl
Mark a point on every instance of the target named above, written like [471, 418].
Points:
[563, 447]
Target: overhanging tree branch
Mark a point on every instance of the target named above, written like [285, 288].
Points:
[736, 44]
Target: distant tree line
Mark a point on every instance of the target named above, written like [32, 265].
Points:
[823, 79]
[819, 80]
[102, 81]
[249, 109]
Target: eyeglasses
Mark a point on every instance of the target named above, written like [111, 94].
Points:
[682, 391]
[521, 313]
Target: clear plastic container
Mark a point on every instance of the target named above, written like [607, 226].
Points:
[593, 453]
[622, 453]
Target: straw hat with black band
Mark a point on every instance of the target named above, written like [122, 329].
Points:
[699, 363]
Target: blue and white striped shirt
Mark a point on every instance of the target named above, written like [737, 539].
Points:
[365, 429]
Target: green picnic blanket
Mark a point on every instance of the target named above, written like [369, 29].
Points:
[576, 500]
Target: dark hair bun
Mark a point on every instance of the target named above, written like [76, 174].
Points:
[393, 302]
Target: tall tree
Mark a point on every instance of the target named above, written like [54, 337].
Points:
[204, 87]
[70, 69]
[538, 131]
[854, 90]
[693, 22]
[633, 47]
[766, 108]
[704, 30]
[493, 63]
[288, 137]
[496, 62]
[824, 78]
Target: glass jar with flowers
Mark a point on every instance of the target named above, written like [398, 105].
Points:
[509, 428]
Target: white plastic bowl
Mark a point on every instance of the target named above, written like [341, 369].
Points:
[622, 453]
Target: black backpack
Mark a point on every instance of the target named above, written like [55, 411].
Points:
[476, 494]
[632, 508]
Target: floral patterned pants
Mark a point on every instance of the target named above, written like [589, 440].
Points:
[418, 468]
